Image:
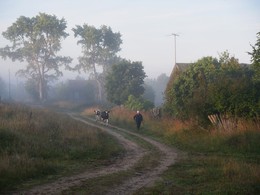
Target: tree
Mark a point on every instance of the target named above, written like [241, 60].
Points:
[255, 58]
[212, 85]
[124, 79]
[190, 90]
[234, 93]
[36, 41]
[138, 103]
[99, 48]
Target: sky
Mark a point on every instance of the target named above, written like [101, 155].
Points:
[204, 28]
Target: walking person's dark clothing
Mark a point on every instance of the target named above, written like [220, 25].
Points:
[138, 119]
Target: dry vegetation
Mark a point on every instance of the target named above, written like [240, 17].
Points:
[36, 144]
[217, 161]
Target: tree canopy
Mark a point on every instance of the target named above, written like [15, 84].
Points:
[99, 48]
[125, 79]
[36, 41]
[211, 85]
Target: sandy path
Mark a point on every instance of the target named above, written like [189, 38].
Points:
[133, 153]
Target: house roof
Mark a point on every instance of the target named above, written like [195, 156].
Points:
[179, 67]
[182, 66]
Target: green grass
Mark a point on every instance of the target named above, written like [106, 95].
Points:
[199, 174]
[213, 165]
[43, 145]
[215, 162]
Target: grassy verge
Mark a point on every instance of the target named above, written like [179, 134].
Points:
[217, 162]
[38, 145]
[200, 174]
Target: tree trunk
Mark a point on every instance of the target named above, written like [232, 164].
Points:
[40, 90]
[99, 85]
[99, 91]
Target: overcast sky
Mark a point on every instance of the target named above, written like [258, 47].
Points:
[205, 28]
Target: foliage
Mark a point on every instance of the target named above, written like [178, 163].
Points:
[99, 48]
[140, 103]
[37, 40]
[209, 86]
[190, 89]
[255, 58]
[124, 79]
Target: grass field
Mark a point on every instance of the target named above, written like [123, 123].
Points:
[37, 145]
[215, 161]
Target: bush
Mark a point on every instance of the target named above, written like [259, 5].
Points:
[134, 103]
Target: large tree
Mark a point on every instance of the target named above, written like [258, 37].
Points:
[212, 85]
[37, 41]
[99, 49]
[125, 79]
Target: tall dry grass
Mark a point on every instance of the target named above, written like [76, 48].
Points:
[218, 162]
[37, 143]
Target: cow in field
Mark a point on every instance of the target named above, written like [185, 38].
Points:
[102, 115]
[97, 115]
[105, 116]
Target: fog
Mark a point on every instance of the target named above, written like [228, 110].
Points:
[205, 28]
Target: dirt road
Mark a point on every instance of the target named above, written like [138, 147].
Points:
[134, 153]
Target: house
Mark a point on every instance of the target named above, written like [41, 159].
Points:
[177, 70]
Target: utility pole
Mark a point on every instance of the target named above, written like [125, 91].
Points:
[175, 35]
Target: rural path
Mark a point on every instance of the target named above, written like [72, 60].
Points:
[134, 153]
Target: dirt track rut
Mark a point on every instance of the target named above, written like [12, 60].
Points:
[134, 153]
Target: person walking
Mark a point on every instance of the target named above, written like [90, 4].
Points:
[138, 119]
